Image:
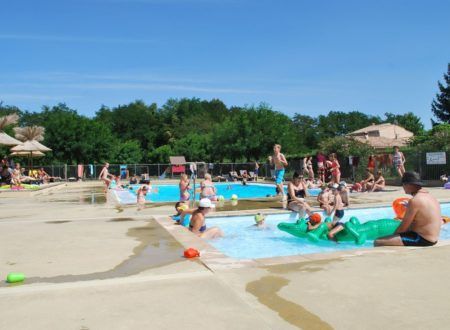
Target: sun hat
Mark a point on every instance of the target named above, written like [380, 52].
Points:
[206, 203]
[412, 178]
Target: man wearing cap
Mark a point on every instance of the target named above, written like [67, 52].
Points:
[197, 224]
[421, 224]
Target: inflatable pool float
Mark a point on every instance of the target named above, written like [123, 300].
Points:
[447, 185]
[354, 231]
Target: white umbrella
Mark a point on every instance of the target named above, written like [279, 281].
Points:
[31, 146]
[34, 154]
[7, 140]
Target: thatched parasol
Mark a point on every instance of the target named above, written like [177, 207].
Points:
[5, 139]
[34, 154]
[32, 135]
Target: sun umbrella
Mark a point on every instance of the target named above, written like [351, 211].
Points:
[34, 154]
[30, 147]
[7, 140]
[5, 121]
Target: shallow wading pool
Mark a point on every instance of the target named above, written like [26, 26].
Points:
[244, 241]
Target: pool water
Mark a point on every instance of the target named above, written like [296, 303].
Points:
[244, 241]
[171, 193]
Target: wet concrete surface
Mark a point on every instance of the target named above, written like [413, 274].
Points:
[156, 248]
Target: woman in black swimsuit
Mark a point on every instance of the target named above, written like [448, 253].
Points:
[297, 192]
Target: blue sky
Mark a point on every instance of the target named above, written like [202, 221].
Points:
[305, 57]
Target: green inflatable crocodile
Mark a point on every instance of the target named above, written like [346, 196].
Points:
[353, 230]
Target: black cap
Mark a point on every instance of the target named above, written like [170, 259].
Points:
[412, 178]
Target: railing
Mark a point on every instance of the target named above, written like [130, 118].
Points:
[415, 161]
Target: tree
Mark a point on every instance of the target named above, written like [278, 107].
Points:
[307, 131]
[441, 105]
[408, 121]
[73, 138]
[128, 152]
[338, 123]
[437, 139]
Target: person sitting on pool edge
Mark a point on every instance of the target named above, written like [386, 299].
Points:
[422, 222]
[297, 193]
[197, 224]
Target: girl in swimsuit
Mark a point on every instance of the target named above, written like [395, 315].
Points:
[141, 193]
[207, 188]
[184, 188]
[297, 192]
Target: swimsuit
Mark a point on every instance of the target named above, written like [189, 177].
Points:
[298, 193]
[202, 228]
[339, 214]
[279, 176]
[411, 238]
[397, 160]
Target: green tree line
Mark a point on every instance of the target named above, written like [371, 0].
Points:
[201, 130]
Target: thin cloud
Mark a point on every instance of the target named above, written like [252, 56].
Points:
[54, 38]
[33, 97]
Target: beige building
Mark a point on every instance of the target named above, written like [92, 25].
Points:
[383, 135]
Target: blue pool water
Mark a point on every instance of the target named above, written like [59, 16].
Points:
[171, 193]
[244, 241]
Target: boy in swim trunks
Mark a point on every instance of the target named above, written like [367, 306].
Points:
[336, 226]
[280, 163]
[422, 222]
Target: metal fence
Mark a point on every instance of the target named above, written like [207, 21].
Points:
[415, 161]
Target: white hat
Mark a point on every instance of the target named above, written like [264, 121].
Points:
[335, 186]
[206, 203]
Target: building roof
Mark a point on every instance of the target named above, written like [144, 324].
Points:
[383, 135]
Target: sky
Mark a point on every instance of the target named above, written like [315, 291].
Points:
[299, 56]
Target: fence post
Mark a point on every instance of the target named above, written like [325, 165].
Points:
[159, 171]
[65, 172]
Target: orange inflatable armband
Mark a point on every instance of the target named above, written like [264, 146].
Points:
[400, 205]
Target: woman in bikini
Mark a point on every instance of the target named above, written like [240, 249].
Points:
[207, 188]
[197, 224]
[399, 161]
[297, 192]
[379, 183]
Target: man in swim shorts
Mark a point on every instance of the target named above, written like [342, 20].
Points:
[421, 224]
[280, 163]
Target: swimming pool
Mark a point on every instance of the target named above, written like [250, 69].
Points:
[171, 192]
[244, 241]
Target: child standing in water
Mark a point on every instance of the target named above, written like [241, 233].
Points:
[141, 193]
[280, 162]
[184, 188]
[336, 226]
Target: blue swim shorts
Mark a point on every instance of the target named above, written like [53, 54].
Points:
[279, 176]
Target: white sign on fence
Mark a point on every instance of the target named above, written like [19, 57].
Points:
[436, 158]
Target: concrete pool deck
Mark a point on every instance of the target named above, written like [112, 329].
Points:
[91, 264]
